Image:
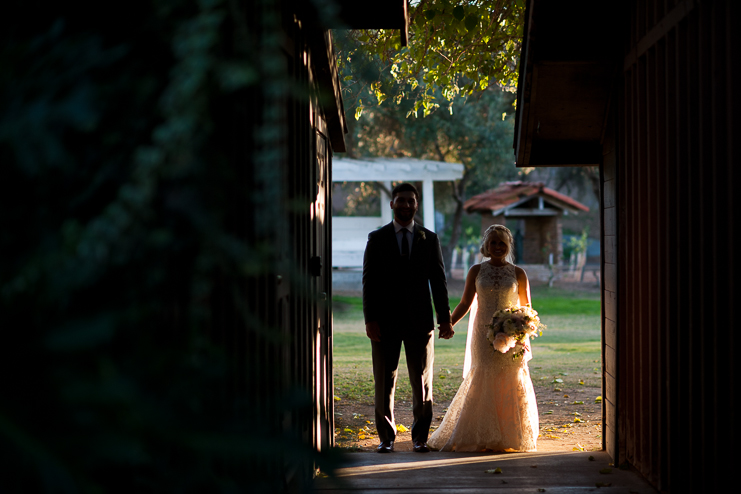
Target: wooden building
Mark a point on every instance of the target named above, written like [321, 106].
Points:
[533, 213]
[289, 172]
[644, 90]
[166, 269]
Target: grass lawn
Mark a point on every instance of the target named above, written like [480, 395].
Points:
[568, 350]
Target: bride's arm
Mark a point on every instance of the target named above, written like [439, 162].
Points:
[469, 291]
[523, 287]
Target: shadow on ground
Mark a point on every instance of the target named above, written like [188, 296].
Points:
[402, 472]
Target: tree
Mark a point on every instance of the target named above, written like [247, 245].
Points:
[456, 48]
[477, 134]
[578, 178]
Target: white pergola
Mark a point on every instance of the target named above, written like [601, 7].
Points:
[349, 234]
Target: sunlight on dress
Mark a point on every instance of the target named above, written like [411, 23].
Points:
[495, 406]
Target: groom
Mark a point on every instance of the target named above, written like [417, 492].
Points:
[402, 261]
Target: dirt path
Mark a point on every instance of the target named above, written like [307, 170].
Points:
[557, 411]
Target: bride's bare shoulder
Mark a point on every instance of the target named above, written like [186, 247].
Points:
[520, 272]
[474, 270]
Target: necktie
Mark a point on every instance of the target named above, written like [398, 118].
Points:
[404, 244]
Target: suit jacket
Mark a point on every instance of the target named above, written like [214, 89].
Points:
[395, 290]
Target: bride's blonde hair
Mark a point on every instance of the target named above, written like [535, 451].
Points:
[505, 235]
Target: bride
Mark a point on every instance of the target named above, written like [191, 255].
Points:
[495, 407]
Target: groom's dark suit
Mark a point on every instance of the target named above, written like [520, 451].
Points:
[396, 295]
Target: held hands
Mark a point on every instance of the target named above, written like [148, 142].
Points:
[446, 330]
[373, 330]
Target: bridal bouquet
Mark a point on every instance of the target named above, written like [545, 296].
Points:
[511, 326]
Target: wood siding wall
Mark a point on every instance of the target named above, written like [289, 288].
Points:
[307, 259]
[608, 225]
[669, 262]
[282, 367]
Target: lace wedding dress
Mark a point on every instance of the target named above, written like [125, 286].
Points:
[495, 406]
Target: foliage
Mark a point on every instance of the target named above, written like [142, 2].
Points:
[356, 198]
[456, 47]
[120, 220]
[478, 135]
[577, 244]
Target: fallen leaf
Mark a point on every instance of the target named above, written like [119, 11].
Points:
[549, 412]
[494, 470]
[606, 470]
[603, 484]
[578, 403]
[558, 380]
[336, 398]
[401, 428]
[557, 389]
[565, 396]
[577, 419]
[361, 436]
[578, 447]
[441, 376]
[598, 399]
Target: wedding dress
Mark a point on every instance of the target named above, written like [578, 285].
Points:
[495, 406]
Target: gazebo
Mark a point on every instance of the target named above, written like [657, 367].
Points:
[532, 211]
[350, 233]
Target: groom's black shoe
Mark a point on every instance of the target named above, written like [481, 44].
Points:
[421, 447]
[386, 447]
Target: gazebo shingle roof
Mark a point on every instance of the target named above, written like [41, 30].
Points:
[509, 193]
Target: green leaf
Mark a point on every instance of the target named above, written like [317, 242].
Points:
[430, 14]
[471, 22]
[459, 13]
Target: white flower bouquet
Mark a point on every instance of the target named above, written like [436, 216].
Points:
[511, 326]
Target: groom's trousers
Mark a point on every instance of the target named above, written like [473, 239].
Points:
[419, 351]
